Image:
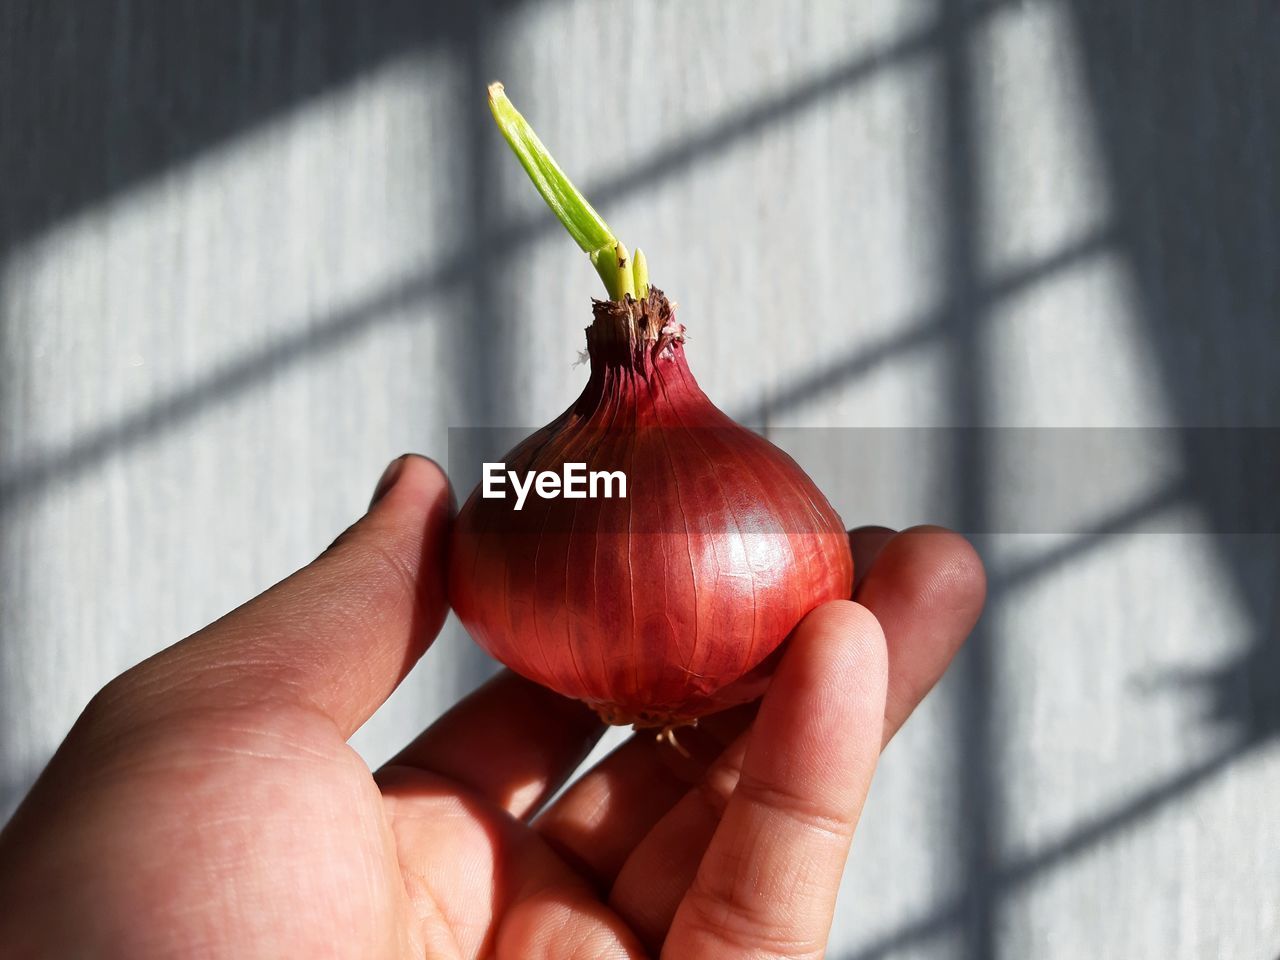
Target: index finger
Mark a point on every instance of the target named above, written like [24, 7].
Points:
[768, 881]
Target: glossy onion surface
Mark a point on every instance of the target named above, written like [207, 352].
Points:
[666, 605]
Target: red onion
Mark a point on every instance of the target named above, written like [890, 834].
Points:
[667, 604]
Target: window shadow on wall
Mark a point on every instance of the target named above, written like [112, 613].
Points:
[1183, 97]
[98, 98]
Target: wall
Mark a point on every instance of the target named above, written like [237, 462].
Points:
[250, 252]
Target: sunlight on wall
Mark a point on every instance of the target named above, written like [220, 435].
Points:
[190, 351]
[204, 374]
[1070, 348]
[332, 196]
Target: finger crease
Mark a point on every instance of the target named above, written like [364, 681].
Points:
[796, 806]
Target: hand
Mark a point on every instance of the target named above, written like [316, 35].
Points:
[207, 804]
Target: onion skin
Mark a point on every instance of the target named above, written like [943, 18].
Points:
[669, 604]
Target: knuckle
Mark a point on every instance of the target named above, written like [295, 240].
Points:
[725, 921]
[804, 810]
[369, 559]
[713, 791]
[104, 705]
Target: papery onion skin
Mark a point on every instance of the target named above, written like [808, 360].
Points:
[667, 605]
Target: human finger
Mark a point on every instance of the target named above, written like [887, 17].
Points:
[337, 636]
[926, 588]
[768, 880]
[512, 742]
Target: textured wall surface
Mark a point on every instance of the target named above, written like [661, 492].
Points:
[251, 251]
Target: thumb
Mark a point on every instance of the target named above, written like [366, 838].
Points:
[341, 633]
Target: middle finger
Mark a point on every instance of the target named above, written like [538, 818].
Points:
[599, 820]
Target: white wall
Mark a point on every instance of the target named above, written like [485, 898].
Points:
[249, 255]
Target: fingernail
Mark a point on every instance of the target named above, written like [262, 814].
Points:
[388, 479]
